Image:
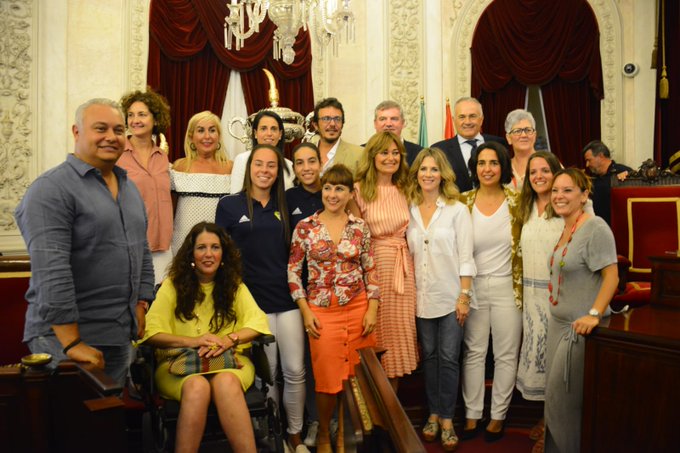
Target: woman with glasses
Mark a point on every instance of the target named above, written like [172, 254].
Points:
[520, 132]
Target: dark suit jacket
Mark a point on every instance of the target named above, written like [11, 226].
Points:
[412, 150]
[451, 148]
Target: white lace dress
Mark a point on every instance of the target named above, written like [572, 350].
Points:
[197, 197]
[539, 236]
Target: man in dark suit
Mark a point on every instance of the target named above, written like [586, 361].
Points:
[468, 118]
[602, 169]
[389, 116]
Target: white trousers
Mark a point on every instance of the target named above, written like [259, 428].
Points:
[496, 313]
[288, 329]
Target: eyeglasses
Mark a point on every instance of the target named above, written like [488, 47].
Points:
[331, 119]
[526, 130]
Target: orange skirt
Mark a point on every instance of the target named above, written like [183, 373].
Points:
[334, 353]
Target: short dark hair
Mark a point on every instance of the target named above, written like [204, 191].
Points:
[503, 159]
[597, 148]
[327, 102]
[309, 145]
[338, 174]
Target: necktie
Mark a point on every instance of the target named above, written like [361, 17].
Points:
[473, 143]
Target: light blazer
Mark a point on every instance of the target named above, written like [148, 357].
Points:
[347, 154]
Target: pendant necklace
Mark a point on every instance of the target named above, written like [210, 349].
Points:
[561, 263]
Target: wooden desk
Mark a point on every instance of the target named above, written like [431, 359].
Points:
[68, 410]
[665, 280]
[632, 382]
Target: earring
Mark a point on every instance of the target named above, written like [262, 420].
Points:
[222, 264]
[219, 146]
[193, 264]
[192, 147]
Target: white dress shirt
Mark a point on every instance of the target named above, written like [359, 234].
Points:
[442, 253]
[466, 148]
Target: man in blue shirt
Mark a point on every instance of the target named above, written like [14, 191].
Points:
[84, 225]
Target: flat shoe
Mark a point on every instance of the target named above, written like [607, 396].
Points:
[431, 431]
[449, 439]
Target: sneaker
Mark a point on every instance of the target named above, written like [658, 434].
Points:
[312, 430]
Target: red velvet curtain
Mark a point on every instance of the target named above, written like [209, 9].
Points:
[189, 64]
[550, 43]
[667, 132]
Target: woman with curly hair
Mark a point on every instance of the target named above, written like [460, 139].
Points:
[146, 160]
[380, 199]
[203, 304]
[497, 289]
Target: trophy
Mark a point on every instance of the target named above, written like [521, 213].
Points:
[294, 126]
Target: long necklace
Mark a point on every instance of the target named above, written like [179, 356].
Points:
[561, 263]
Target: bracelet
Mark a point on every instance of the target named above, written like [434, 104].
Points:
[464, 302]
[72, 344]
[234, 339]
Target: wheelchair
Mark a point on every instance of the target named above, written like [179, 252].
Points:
[160, 418]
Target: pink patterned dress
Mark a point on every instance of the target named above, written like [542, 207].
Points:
[387, 217]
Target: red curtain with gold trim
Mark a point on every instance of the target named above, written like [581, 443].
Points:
[550, 43]
[189, 64]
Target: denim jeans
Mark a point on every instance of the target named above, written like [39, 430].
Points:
[440, 340]
[116, 358]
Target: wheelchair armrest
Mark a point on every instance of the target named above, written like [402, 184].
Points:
[259, 357]
[263, 340]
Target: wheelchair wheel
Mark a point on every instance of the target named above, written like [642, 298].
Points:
[275, 426]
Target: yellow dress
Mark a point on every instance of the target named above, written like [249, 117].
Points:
[161, 319]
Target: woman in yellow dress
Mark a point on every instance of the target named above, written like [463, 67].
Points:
[203, 304]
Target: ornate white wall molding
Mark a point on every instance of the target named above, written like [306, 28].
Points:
[137, 44]
[18, 103]
[461, 27]
[406, 60]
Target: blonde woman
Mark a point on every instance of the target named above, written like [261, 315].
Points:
[440, 240]
[200, 178]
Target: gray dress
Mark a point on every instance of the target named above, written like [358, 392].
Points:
[592, 248]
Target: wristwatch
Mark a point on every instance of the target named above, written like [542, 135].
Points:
[595, 313]
[467, 292]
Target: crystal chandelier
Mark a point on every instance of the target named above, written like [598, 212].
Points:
[326, 20]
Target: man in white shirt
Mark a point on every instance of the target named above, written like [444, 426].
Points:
[329, 118]
[467, 119]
